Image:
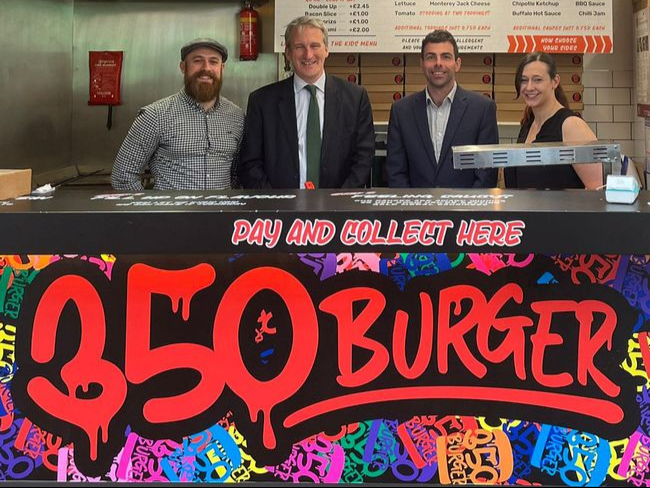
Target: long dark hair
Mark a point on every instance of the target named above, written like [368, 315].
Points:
[548, 60]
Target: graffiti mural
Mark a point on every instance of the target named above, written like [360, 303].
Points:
[509, 369]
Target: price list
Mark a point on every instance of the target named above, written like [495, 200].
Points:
[560, 26]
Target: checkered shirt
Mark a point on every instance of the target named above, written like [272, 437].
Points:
[185, 147]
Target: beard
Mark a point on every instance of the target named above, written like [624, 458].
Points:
[200, 91]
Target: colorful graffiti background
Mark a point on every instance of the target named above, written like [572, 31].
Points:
[427, 448]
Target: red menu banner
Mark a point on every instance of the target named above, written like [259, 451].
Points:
[517, 26]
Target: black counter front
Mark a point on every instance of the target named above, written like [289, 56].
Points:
[295, 221]
[430, 337]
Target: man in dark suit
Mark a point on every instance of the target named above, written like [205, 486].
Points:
[275, 152]
[424, 126]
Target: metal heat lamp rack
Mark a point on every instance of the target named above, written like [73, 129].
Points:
[536, 154]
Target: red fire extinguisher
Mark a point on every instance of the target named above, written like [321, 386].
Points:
[248, 32]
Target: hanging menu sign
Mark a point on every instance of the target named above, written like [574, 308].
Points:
[514, 26]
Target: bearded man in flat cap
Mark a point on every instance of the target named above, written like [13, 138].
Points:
[190, 140]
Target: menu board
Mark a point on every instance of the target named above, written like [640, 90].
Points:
[514, 26]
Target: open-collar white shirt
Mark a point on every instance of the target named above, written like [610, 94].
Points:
[438, 118]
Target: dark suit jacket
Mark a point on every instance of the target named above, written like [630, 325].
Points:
[410, 160]
[269, 152]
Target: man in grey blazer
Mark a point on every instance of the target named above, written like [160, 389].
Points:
[425, 125]
[275, 150]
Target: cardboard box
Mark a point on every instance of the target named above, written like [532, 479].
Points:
[574, 96]
[467, 59]
[411, 89]
[568, 75]
[382, 106]
[381, 112]
[349, 73]
[509, 115]
[476, 59]
[381, 59]
[380, 115]
[521, 105]
[506, 97]
[485, 90]
[383, 88]
[503, 79]
[383, 79]
[512, 106]
[15, 182]
[574, 93]
[565, 60]
[485, 93]
[382, 69]
[572, 78]
[505, 70]
[414, 78]
[513, 112]
[352, 78]
[342, 70]
[342, 59]
[384, 96]
[470, 68]
[417, 69]
[462, 77]
[477, 87]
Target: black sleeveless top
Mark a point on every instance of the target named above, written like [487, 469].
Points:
[553, 177]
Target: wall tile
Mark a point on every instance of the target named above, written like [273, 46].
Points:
[624, 79]
[598, 113]
[624, 113]
[613, 131]
[597, 78]
[639, 129]
[509, 131]
[613, 96]
[628, 147]
[589, 96]
[639, 151]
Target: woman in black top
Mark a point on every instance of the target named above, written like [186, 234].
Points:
[547, 118]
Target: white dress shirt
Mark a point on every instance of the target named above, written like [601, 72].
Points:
[438, 118]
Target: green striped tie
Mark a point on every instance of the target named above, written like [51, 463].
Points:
[313, 138]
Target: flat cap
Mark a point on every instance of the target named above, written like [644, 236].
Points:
[204, 42]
